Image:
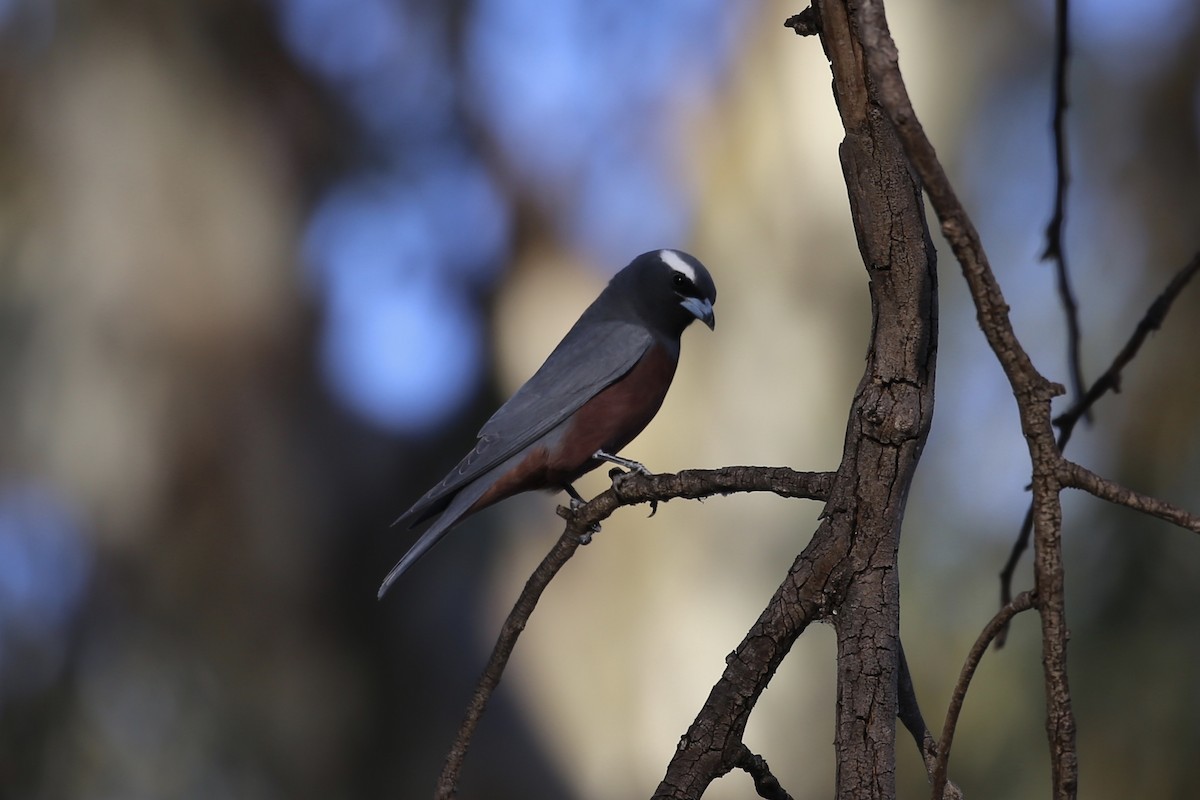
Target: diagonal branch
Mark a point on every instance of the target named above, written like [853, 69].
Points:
[1078, 477]
[765, 783]
[627, 489]
[910, 715]
[1010, 567]
[1110, 381]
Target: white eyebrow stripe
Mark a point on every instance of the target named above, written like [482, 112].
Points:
[672, 260]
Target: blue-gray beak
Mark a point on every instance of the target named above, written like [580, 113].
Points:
[701, 309]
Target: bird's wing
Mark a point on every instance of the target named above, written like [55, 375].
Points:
[589, 358]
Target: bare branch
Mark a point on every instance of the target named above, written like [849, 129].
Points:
[1033, 391]
[558, 556]
[1110, 381]
[909, 711]
[695, 484]
[765, 784]
[1022, 602]
[1078, 477]
[627, 489]
[1010, 567]
[1056, 248]
[960, 232]
[910, 715]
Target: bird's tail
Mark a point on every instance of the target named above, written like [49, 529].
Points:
[455, 511]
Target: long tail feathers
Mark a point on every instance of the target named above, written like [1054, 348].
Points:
[453, 514]
[427, 540]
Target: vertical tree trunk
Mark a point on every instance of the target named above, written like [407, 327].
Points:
[891, 416]
[847, 573]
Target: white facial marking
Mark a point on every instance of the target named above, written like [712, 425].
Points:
[672, 260]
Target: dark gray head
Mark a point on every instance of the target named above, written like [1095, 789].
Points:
[667, 289]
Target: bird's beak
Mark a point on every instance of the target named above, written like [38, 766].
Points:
[701, 309]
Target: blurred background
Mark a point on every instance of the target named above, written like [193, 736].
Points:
[265, 268]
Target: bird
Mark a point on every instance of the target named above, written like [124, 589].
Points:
[597, 390]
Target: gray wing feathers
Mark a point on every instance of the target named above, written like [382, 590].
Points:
[581, 365]
[588, 359]
[458, 506]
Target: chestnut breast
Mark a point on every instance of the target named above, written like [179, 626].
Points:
[608, 422]
[612, 418]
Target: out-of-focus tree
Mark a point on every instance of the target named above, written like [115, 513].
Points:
[266, 266]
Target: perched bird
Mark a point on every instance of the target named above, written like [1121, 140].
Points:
[599, 388]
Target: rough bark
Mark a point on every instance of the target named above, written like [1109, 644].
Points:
[848, 572]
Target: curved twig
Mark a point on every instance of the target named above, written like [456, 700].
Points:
[627, 489]
[910, 715]
[1022, 602]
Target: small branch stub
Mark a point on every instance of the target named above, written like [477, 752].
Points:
[806, 23]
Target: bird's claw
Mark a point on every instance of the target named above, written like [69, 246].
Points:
[585, 538]
[653, 508]
[627, 463]
[618, 476]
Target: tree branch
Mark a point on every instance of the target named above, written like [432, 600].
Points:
[910, 715]
[1022, 602]
[847, 573]
[627, 489]
[1110, 381]
[765, 784]
[1033, 392]
[1078, 477]
[1056, 248]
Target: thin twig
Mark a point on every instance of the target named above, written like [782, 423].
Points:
[1010, 568]
[765, 784]
[908, 709]
[1110, 381]
[627, 489]
[910, 715]
[1022, 602]
[1056, 248]
[554, 561]
[1078, 477]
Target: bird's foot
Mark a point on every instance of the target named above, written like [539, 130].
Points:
[585, 538]
[577, 501]
[627, 463]
[617, 476]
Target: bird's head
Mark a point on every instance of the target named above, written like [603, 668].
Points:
[669, 288]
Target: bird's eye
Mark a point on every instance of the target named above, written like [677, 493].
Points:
[679, 281]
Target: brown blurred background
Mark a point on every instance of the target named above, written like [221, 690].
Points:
[265, 267]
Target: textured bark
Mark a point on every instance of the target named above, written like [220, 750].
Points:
[890, 418]
[848, 571]
[1033, 391]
